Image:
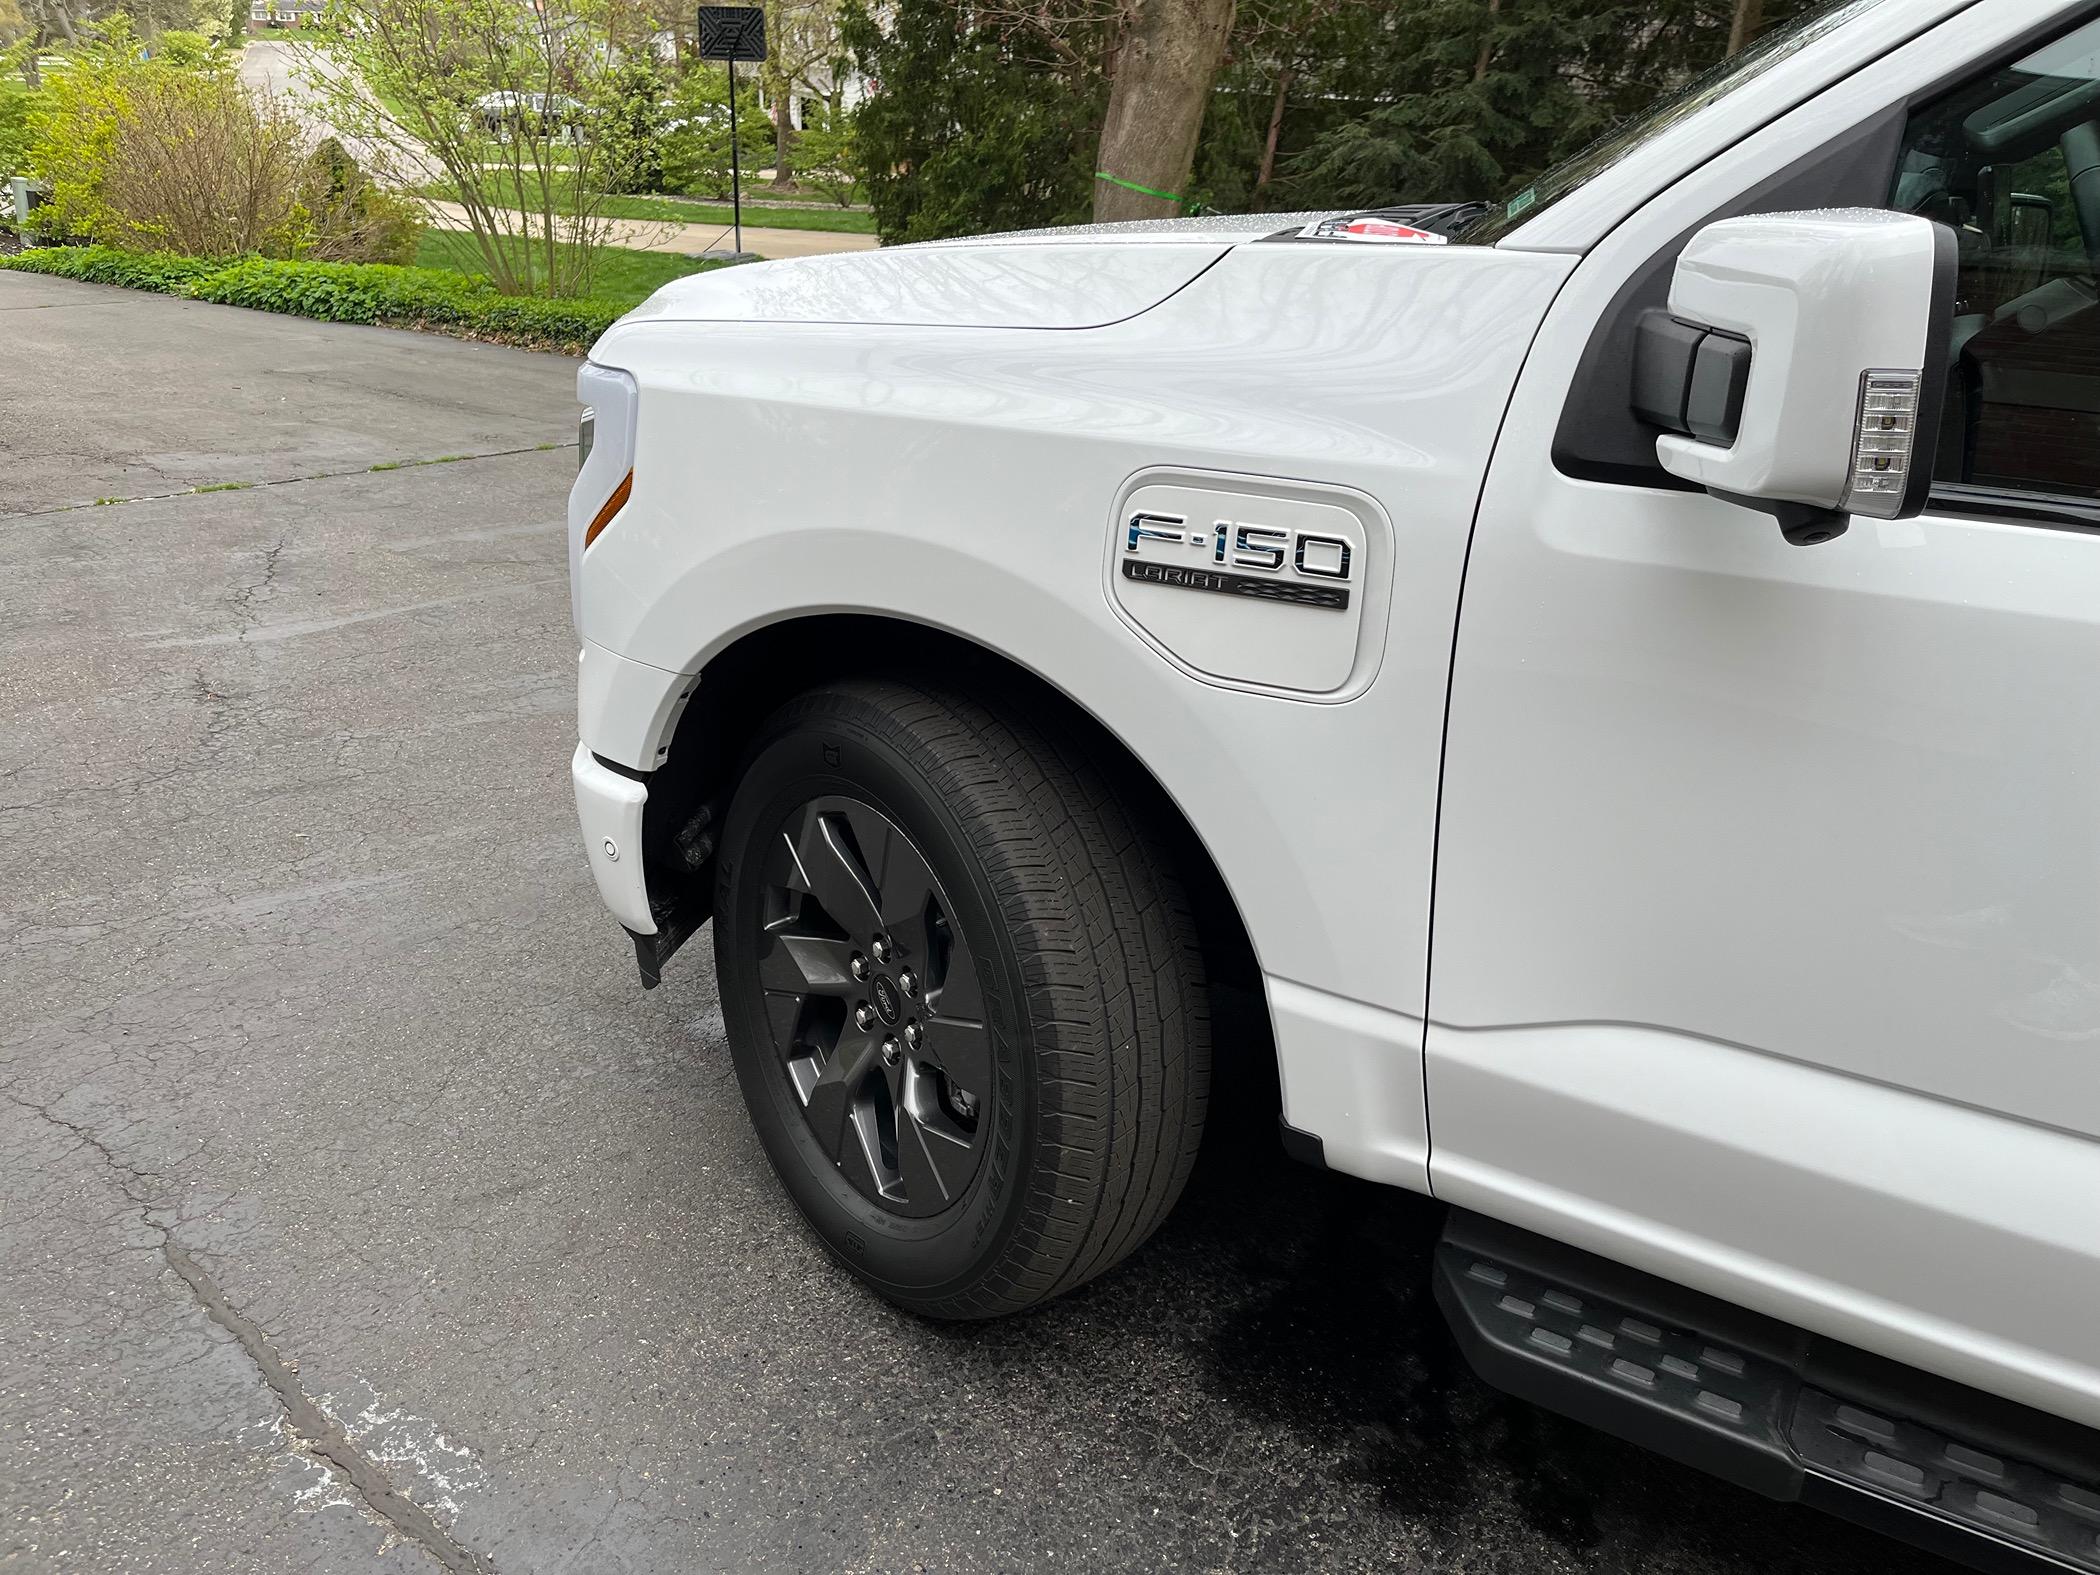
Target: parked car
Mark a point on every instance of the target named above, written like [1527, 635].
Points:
[1607, 678]
[509, 114]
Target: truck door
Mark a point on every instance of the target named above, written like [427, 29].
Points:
[1766, 943]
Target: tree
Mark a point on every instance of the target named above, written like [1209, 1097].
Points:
[496, 101]
[1294, 69]
[825, 159]
[802, 36]
[18, 98]
[1167, 57]
[1497, 90]
[971, 124]
[999, 112]
[630, 129]
[697, 146]
[1749, 18]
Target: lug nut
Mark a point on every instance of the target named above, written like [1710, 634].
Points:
[859, 965]
[880, 946]
[891, 1055]
[864, 1016]
[908, 982]
[913, 1034]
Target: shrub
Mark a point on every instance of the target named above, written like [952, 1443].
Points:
[162, 273]
[823, 160]
[341, 293]
[347, 217]
[164, 153]
[173, 153]
[196, 164]
[696, 152]
[629, 127]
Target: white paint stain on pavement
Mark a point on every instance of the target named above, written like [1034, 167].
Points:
[414, 1452]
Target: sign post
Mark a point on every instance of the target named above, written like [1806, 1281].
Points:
[730, 33]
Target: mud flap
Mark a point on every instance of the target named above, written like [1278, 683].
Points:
[684, 868]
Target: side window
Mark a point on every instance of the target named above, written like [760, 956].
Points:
[2012, 162]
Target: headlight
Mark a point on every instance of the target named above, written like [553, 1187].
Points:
[604, 462]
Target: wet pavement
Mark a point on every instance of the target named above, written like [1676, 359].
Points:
[357, 1211]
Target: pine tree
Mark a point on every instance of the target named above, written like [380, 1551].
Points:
[1490, 92]
[969, 127]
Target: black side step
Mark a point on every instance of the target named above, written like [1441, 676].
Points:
[1770, 1406]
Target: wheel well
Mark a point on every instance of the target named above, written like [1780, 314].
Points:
[749, 680]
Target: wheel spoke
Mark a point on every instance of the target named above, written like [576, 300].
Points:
[906, 890]
[832, 1098]
[933, 1154]
[861, 1160]
[783, 1016]
[962, 1050]
[807, 965]
[957, 993]
[829, 867]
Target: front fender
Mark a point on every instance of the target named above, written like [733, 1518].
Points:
[966, 477]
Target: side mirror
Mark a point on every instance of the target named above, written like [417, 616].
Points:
[1802, 363]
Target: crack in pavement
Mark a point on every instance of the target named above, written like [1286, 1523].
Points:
[318, 1433]
[242, 599]
[381, 468]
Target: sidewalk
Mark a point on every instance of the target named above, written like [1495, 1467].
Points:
[662, 235]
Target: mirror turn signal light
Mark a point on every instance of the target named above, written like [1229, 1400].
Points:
[1884, 435]
[610, 507]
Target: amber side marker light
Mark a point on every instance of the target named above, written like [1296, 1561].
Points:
[613, 505]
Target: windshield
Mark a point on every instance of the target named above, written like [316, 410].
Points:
[1786, 39]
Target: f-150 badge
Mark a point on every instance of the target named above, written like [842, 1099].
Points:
[1296, 577]
[1299, 567]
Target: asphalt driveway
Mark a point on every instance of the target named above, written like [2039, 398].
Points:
[357, 1211]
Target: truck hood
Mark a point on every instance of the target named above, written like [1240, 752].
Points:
[1085, 276]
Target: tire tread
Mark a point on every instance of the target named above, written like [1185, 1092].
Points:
[1111, 967]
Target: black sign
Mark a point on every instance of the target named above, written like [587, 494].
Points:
[732, 32]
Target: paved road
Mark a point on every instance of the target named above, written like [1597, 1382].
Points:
[284, 68]
[357, 1212]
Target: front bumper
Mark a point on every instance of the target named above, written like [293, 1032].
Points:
[609, 808]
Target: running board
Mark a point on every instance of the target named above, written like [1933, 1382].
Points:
[1771, 1407]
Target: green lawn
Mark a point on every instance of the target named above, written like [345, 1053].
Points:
[687, 210]
[621, 275]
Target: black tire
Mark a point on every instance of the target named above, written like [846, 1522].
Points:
[1095, 1047]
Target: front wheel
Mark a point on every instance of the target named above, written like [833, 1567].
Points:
[964, 995]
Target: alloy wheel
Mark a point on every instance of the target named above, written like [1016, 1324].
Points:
[875, 1007]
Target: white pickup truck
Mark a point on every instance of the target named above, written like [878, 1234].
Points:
[1612, 680]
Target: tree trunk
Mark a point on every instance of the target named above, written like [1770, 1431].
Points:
[1164, 70]
[1749, 18]
[1487, 42]
[1268, 148]
[783, 138]
[62, 11]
